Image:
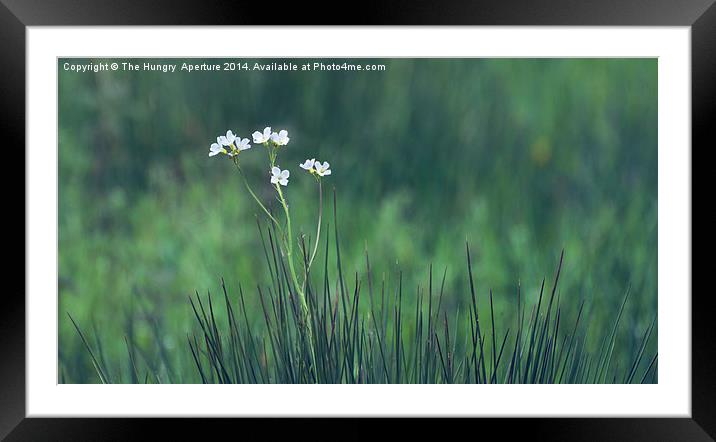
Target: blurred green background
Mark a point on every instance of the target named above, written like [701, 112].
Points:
[521, 157]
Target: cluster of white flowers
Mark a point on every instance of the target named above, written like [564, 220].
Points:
[316, 167]
[279, 139]
[231, 144]
[234, 143]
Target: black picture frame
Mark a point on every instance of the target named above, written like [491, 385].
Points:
[16, 15]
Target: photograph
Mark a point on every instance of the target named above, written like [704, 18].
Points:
[357, 221]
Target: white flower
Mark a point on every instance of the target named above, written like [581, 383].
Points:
[322, 169]
[279, 176]
[242, 144]
[281, 138]
[239, 145]
[260, 138]
[216, 148]
[308, 165]
[228, 139]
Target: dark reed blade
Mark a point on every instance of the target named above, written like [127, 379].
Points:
[475, 311]
[604, 365]
[196, 361]
[648, 369]
[532, 334]
[494, 345]
[102, 377]
[642, 347]
[134, 372]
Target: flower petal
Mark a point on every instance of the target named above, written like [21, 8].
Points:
[285, 174]
[283, 181]
[275, 171]
[274, 180]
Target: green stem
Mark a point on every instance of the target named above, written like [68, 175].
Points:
[288, 246]
[318, 228]
[258, 201]
[289, 240]
[299, 288]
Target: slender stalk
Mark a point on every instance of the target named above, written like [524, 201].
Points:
[301, 296]
[289, 247]
[318, 227]
[258, 201]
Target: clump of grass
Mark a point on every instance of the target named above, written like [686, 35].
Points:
[367, 334]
